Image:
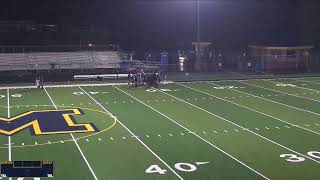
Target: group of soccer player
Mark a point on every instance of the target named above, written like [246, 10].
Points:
[137, 79]
[39, 82]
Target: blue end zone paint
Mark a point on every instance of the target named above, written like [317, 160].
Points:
[46, 122]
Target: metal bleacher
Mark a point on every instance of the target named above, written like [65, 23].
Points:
[59, 60]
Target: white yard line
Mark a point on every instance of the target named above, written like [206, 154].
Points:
[295, 125]
[280, 91]
[75, 141]
[312, 82]
[9, 137]
[133, 135]
[285, 92]
[191, 132]
[309, 89]
[283, 104]
[307, 157]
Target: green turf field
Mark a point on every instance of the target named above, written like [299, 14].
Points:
[222, 130]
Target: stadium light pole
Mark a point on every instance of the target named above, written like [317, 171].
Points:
[198, 33]
[198, 21]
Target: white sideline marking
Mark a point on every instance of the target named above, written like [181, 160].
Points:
[66, 85]
[251, 108]
[307, 157]
[83, 156]
[295, 95]
[193, 133]
[151, 151]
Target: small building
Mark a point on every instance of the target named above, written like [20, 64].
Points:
[277, 58]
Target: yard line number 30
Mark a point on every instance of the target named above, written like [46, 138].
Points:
[297, 159]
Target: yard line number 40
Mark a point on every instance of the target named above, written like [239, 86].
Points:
[183, 167]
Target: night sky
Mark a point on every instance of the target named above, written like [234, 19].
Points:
[173, 23]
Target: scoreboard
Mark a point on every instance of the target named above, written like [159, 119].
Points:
[27, 168]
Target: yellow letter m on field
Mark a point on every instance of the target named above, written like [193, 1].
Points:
[46, 122]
